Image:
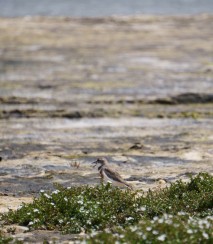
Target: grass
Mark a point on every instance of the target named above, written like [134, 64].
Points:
[181, 213]
[4, 240]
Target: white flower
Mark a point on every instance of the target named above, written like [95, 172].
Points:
[129, 218]
[155, 218]
[155, 232]
[148, 228]
[139, 233]
[31, 223]
[47, 196]
[144, 237]
[81, 209]
[35, 210]
[65, 199]
[41, 190]
[189, 231]
[160, 221]
[133, 228]
[181, 213]
[209, 217]
[28, 213]
[60, 221]
[143, 208]
[56, 192]
[168, 221]
[68, 187]
[162, 237]
[80, 202]
[52, 203]
[19, 207]
[205, 235]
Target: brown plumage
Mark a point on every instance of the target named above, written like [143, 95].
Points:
[109, 175]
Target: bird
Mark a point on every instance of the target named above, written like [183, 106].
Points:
[109, 175]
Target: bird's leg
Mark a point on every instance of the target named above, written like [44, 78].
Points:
[102, 180]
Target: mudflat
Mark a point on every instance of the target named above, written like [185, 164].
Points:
[137, 90]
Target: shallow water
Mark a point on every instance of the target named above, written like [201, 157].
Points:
[92, 8]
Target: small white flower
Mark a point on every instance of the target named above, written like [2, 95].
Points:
[19, 207]
[162, 237]
[35, 210]
[52, 203]
[148, 228]
[56, 192]
[160, 221]
[60, 221]
[205, 235]
[133, 228]
[189, 231]
[155, 232]
[143, 208]
[65, 199]
[81, 209]
[28, 213]
[209, 217]
[168, 221]
[69, 187]
[129, 218]
[41, 190]
[47, 196]
[181, 213]
[31, 223]
[139, 233]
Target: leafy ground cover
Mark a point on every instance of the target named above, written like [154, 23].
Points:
[181, 213]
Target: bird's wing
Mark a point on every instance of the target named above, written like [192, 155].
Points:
[116, 177]
[113, 175]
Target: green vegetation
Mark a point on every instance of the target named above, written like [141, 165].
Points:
[167, 228]
[181, 213]
[4, 240]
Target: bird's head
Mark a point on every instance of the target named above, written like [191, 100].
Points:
[100, 162]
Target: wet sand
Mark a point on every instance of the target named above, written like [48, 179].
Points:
[138, 90]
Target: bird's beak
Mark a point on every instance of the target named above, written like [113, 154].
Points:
[95, 163]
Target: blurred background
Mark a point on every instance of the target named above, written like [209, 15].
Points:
[94, 8]
[130, 80]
